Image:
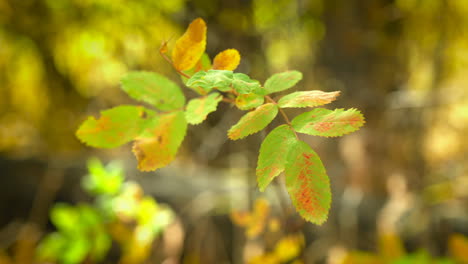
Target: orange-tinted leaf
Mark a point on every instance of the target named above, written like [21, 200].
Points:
[253, 121]
[255, 221]
[158, 145]
[307, 183]
[227, 60]
[458, 247]
[328, 123]
[307, 99]
[190, 47]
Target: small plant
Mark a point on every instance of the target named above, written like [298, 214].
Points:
[120, 213]
[157, 133]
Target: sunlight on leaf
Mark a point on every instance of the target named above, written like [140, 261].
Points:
[307, 99]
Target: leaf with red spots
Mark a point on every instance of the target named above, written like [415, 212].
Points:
[115, 127]
[154, 89]
[328, 123]
[253, 121]
[157, 146]
[282, 81]
[307, 99]
[307, 183]
[199, 108]
[273, 153]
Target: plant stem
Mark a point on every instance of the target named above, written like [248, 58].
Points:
[170, 62]
[283, 114]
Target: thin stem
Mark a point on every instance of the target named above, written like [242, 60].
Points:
[170, 62]
[283, 114]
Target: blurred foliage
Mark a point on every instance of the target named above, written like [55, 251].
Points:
[120, 213]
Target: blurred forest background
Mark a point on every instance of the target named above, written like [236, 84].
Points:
[403, 63]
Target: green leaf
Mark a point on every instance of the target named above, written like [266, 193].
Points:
[102, 180]
[115, 127]
[66, 218]
[307, 99]
[282, 81]
[204, 64]
[249, 101]
[208, 80]
[153, 88]
[51, 247]
[307, 183]
[328, 123]
[273, 153]
[199, 108]
[158, 144]
[244, 85]
[253, 121]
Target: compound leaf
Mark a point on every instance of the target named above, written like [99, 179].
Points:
[249, 101]
[207, 80]
[282, 81]
[157, 146]
[115, 127]
[307, 183]
[307, 99]
[154, 89]
[328, 123]
[190, 46]
[199, 108]
[227, 60]
[253, 121]
[244, 85]
[273, 153]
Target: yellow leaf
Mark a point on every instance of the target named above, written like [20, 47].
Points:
[289, 247]
[227, 60]
[190, 47]
[458, 247]
[390, 246]
[254, 222]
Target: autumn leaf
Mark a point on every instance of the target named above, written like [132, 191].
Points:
[199, 108]
[157, 146]
[273, 153]
[328, 123]
[458, 247]
[190, 46]
[282, 81]
[227, 60]
[307, 99]
[153, 88]
[249, 101]
[115, 127]
[255, 221]
[307, 183]
[253, 121]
